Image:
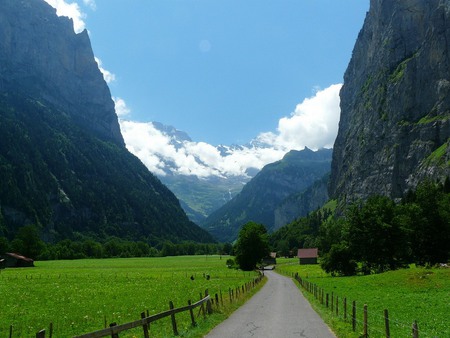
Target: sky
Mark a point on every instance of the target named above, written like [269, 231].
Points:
[223, 71]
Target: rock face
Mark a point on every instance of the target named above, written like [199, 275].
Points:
[259, 198]
[395, 102]
[63, 163]
[41, 56]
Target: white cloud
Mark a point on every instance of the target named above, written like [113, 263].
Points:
[71, 10]
[107, 75]
[314, 124]
[156, 150]
[120, 106]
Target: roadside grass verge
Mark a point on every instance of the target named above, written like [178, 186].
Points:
[414, 294]
[81, 296]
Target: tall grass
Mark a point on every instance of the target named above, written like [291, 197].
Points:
[82, 295]
[414, 294]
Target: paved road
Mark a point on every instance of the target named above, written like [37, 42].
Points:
[278, 310]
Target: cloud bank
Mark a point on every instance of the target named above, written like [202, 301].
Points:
[313, 124]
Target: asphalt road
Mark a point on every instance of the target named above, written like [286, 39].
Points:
[278, 310]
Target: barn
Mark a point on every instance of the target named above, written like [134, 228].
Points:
[308, 256]
[13, 260]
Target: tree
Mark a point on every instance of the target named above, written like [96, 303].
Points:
[339, 260]
[430, 236]
[27, 242]
[252, 245]
[4, 245]
[374, 238]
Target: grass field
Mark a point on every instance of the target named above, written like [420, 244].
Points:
[409, 294]
[79, 296]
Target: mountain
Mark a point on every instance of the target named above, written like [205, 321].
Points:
[395, 102]
[63, 161]
[260, 197]
[301, 204]
[199, 195]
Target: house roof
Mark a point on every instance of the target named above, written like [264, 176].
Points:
[308, 253]
[17, 256]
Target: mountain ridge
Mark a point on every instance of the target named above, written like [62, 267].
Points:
[259, 198]
[63, 161]
[394, 129]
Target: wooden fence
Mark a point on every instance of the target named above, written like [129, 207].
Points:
[340, 307]
[207, 304]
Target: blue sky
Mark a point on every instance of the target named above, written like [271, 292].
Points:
[224, 71]
[221, 70]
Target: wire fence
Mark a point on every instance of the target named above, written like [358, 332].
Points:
[362, 321]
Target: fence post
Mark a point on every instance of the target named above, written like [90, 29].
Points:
[10, 331]
[174, 322]
[217, 300]
[191, 311]
[144, 326]
[50, 334]
[337, 306]
[113, 335]
[386, 323]
[365, 322]
[327, 300]
[208, 303]
[354, 316]
[332, 302]
[415, 330]
[40, 334]
[345, 308]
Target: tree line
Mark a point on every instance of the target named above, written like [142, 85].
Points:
[378, 234]
[27, 242]
[366, 237]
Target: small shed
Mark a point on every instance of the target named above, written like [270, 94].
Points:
[14, 260]
[308, 256]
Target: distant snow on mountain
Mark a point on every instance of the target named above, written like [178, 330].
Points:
[166, 150]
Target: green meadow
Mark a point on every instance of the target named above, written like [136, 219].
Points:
[81, 296]
[414, 294]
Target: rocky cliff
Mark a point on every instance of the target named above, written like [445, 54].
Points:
[63, 163]
[41, 56]
[395, 102]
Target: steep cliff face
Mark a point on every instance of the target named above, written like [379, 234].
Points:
[41, 56]
[63, 163]
[395, 103]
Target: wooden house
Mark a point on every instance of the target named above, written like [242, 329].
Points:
[13, 260]
[308, 256]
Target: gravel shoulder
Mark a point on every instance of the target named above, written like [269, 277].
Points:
[277, 310]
